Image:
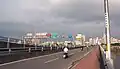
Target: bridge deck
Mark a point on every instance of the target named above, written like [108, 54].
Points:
[54, 61]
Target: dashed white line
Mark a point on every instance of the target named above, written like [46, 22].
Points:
[31, 58]
[51, 60]
[71, 53]
[28, 59]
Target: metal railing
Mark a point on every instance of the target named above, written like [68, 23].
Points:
[107, 63]
[15, 48]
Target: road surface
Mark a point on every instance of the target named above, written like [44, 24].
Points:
[54, 61]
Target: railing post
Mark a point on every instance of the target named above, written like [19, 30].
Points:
[42, 48]
[9, 50]
[24, 43]
[29, 49]
[51, 47]
[8, 45]
[35, 46]
[57, 48]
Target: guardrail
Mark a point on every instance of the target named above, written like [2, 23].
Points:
[7, 47]
[107, 63]
[7, 51]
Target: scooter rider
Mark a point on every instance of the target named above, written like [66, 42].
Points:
[66, 51]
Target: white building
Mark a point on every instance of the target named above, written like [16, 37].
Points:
[80, 39]
[114, 40]
[90, 41]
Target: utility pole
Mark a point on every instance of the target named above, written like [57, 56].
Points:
[107, 29]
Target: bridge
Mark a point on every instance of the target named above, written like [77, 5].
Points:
[21, 56]
[50, 57]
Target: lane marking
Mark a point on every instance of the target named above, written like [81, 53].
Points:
[28, 59]
[71, 54]
[51, 60]
[85, 54]
[33, 58]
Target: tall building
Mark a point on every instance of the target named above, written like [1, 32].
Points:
[80, 39]
[90, 41]
[83, 39]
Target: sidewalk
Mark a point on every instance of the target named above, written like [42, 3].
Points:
[91, 61]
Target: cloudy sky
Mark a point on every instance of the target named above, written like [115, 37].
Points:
[62, 16]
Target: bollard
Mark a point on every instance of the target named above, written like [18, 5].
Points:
[29, 49]
[9, 50]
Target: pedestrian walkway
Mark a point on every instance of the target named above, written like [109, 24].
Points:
[91, 61]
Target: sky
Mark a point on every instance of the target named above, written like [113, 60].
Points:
[17, 17]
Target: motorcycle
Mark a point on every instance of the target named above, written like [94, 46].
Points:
[65, 55]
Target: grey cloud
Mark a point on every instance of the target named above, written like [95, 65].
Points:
[56, 16]
[81, 11]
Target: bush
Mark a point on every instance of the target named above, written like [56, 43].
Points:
[115, 44]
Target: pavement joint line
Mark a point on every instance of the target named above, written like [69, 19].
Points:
[30, 59]
[51, 60]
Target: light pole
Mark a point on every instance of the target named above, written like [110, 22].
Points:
[107, 28]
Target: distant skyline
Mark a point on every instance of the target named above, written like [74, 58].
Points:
[17, 17]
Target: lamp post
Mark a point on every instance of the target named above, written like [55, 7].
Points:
[107, 28]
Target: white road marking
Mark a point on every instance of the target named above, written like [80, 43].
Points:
[85, 54]
[51, 60]
[28, 59]
[31, 58]
[71, 53]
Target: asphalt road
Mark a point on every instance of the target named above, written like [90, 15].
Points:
[53, 61]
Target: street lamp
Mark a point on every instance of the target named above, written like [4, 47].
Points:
[107, 29]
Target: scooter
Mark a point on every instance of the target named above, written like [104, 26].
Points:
[65, 55]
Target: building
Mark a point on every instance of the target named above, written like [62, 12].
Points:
[80, 39]
[90, 41]
[35, 39]
[104, 38]
[114, 40]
